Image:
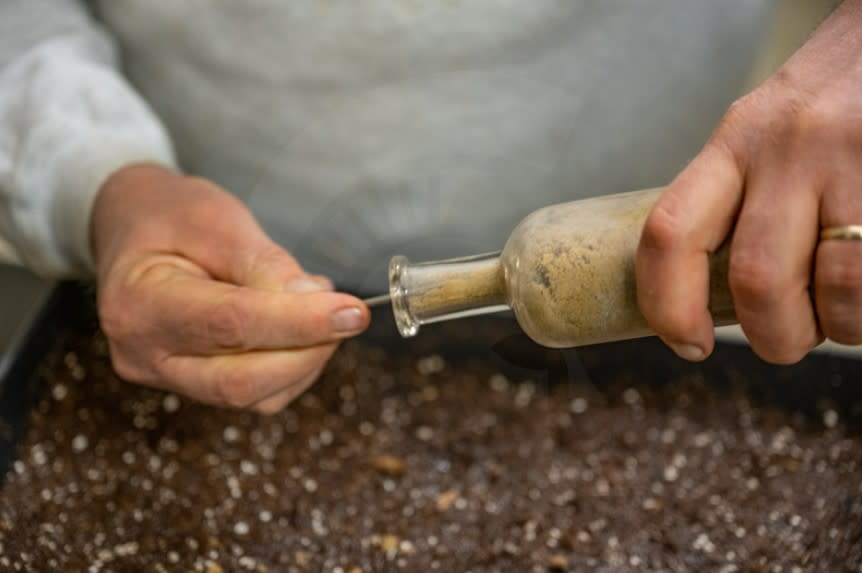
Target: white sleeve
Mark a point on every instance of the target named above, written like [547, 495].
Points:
[68, 119]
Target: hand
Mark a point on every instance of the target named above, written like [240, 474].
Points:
[785, 162]
[195, 298]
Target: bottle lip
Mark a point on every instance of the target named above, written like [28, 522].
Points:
[408, 325]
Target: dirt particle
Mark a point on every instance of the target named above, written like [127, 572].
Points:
[446, 499]
[558, 563]
[389, 465]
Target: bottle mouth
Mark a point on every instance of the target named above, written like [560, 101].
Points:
[407, 323]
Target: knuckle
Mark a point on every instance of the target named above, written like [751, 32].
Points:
[122, 300]
[738, 111]
[776, 110]
[225, 325]
[123, 367]
[741, 125]
[675, 323]
[750, 111]
[124, 332]
[236, 390]
[274, 259]
[112, 321]
[114, 316]
[816, 120]
[664, 228]
[126, 367]
[752, 279]
[800, 117]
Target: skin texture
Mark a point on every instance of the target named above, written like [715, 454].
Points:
[785, 162]
[195, 298]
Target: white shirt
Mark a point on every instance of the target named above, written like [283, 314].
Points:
[357, 130]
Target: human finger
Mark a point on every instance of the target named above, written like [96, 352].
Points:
[689, 222]
[771, 259]
[838, 268]
[242, 380]
[196, 315]
[186, 313]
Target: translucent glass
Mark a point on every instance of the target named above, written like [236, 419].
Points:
[444, 290]
[567, 271]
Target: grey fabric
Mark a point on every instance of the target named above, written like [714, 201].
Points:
[356, 130]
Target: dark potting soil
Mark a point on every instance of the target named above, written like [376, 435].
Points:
[408, 457]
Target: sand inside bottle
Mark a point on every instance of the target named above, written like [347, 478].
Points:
[571, 271]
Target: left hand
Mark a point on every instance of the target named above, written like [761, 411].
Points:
[785, 162]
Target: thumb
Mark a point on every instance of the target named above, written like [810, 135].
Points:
[689, 221]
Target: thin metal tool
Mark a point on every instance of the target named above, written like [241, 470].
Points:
[378, 300]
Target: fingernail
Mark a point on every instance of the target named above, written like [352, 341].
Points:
[347, 320]
[688, 351]
[304, 284]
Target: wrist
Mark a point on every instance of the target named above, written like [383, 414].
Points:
[122, 202]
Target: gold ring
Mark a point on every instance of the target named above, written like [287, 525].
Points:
[844, 233]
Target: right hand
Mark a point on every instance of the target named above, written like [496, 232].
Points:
[196, 299]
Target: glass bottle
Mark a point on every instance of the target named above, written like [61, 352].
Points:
[567, 272]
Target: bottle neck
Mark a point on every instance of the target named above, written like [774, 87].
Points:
[443, 290]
